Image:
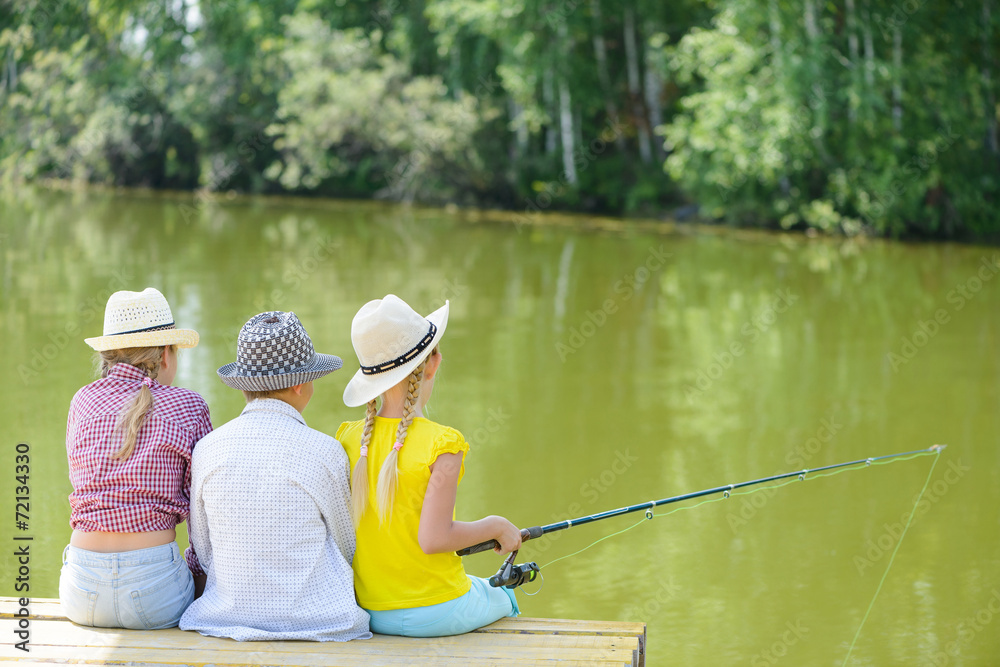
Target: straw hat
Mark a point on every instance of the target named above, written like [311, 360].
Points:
[391, 339]
[274, 352]
[140, 319]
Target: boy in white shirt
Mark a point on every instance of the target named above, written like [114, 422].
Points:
[270, 517]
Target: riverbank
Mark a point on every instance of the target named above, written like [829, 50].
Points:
[197, 205]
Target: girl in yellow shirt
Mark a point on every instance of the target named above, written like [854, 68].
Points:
[406, 573]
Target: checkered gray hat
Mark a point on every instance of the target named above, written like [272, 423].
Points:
[275, 352]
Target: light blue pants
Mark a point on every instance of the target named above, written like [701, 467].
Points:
[482, 605]
[146, 589]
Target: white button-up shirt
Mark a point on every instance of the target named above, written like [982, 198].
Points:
[271, 524]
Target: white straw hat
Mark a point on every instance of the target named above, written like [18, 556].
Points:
[140, 319]
[391, 339]
[274, 352]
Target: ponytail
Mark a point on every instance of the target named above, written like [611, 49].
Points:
[133, 416]
[385, 490]
[359, 479]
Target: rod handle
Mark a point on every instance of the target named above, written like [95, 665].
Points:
[526, 534]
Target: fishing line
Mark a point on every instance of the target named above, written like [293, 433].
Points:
[805, 476]
[891, 558]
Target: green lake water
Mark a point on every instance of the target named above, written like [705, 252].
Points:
[591, 363]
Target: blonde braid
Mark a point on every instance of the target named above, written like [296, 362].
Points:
[359, 479]
[385, 490]
[133, 416]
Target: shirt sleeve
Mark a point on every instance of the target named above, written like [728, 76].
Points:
[450, 442]
[204, 428]
[197, 532]
[337, 513]
[192, 560]
[204, 425]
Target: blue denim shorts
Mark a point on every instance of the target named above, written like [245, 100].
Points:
[482, 605]
[146, 589]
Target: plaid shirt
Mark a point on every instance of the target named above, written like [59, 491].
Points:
[151, 489]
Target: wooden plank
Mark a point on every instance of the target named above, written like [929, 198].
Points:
[46, 608]
[470, 647]
[520, 624]
[249, 656]
[39, 608]
[66, 634]
[508, 641]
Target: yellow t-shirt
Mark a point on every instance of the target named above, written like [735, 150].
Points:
[391, 571]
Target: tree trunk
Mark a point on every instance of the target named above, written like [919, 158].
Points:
[520, 128]
[578, 130]
[634, 87]
[809, 18]
[654, 90]
[519, 146]
[819, 101]
[601, 54]
[455, 70]
[566, 126]
[548, 98]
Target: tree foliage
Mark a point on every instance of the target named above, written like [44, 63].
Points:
[844, 115]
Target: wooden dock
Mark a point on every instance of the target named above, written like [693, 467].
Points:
[512, 641]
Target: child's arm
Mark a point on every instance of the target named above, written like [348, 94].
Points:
[439, 533]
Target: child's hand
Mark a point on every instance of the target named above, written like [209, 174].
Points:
[508, 536]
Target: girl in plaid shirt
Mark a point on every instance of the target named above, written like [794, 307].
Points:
[129, 438]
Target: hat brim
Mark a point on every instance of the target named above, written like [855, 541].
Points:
[320, 365]
[363, 388]
[179, 337]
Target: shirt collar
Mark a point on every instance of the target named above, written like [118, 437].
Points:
[273, 405]
[127, 372]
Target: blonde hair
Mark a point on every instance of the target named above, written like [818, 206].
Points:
[254, 395]
[385, 488]
[133, 416]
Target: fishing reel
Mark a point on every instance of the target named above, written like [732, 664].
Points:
[511, 576]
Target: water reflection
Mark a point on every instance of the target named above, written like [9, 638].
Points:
[586, 378]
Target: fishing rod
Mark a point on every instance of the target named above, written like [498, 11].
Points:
[511, 575]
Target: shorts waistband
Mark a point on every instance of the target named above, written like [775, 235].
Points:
[164, 553]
